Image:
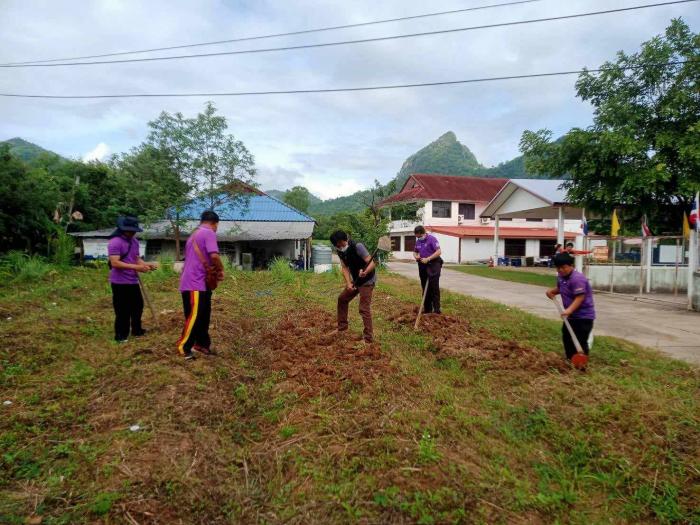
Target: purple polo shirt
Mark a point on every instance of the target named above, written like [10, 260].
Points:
[128, 252]
[194, 275]
[426, 247]
[573, 285]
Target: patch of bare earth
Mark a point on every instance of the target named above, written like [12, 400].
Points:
[313, 359]
[454, 338]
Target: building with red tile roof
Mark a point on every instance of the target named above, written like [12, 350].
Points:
[451, 208]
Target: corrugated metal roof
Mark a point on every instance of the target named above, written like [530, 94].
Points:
[258, 208]
[503, 233]
[427, 186]
[546, 189]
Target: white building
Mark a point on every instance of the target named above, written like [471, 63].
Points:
[457, 211]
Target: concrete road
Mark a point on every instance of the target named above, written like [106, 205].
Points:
[665, 327]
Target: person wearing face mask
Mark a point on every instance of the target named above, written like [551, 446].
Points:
[357, 267]
[201, 254]
[427, 252]
[577, 297]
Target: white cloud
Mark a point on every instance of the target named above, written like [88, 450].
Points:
[99, 152]
[334, 143]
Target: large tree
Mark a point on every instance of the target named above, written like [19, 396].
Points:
[217, 159]
[298, 197]
[642, 152]
[208, 162]
[28, 199]
[150, 184]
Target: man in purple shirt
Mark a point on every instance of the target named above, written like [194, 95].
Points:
[201, 252]
[427, 253]
[577, 297]
[124, 262]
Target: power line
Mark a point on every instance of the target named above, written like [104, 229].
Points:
[291, 33]
[345, 89]
[346, 42]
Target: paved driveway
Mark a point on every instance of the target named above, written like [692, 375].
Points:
[667, 328]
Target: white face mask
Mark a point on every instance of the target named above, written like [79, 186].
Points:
[343, 249]
[422, 237]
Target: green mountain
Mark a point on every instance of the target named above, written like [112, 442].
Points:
[446, 155]
[27, 151]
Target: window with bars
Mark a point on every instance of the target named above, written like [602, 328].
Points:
[395, 244]
[467, 210]
[442, 209]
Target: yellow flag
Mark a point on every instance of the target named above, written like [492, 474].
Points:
[686, 226]
[615, 228]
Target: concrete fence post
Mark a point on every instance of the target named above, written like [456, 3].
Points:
[692, 264]
[578, 259]
[650, 256]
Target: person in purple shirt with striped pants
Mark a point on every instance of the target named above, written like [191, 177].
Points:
[124, 263]
[201, 252]
[577, 297]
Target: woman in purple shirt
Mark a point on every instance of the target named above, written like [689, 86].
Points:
[124, 262]
[577, 297]
[427, 253]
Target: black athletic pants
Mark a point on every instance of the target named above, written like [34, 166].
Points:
[197, 307]
[582, 328]
[430, 276]
[128, 307]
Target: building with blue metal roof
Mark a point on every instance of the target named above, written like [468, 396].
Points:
[254, 229]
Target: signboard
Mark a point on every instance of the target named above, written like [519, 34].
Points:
[600, 253]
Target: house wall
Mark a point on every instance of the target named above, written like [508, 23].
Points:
[471, 250]
[449, 246]
[425, 217]
[478, 251]
[429, 220]
[96, 248]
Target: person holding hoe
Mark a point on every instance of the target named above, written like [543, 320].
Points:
[201, 274]
[124, 264]
[357, 266]
[577, 297]
[427, 253]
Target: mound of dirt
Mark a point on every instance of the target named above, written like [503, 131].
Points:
[314, 359]
[454, 338]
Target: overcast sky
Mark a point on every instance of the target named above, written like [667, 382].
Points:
[334, 144]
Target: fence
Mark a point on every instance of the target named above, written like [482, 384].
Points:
[660, 266]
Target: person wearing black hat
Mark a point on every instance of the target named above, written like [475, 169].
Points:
[124, 263]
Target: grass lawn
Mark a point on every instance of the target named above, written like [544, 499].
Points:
[472, 419]
[516, 276]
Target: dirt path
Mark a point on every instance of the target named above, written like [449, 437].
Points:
[663, 327]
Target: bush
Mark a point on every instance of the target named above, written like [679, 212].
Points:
[281, 271]
[18, 266]
[62, 248]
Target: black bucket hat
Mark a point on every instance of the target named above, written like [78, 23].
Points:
[126, 224]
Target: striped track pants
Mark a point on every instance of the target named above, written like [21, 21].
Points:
[197, 308]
